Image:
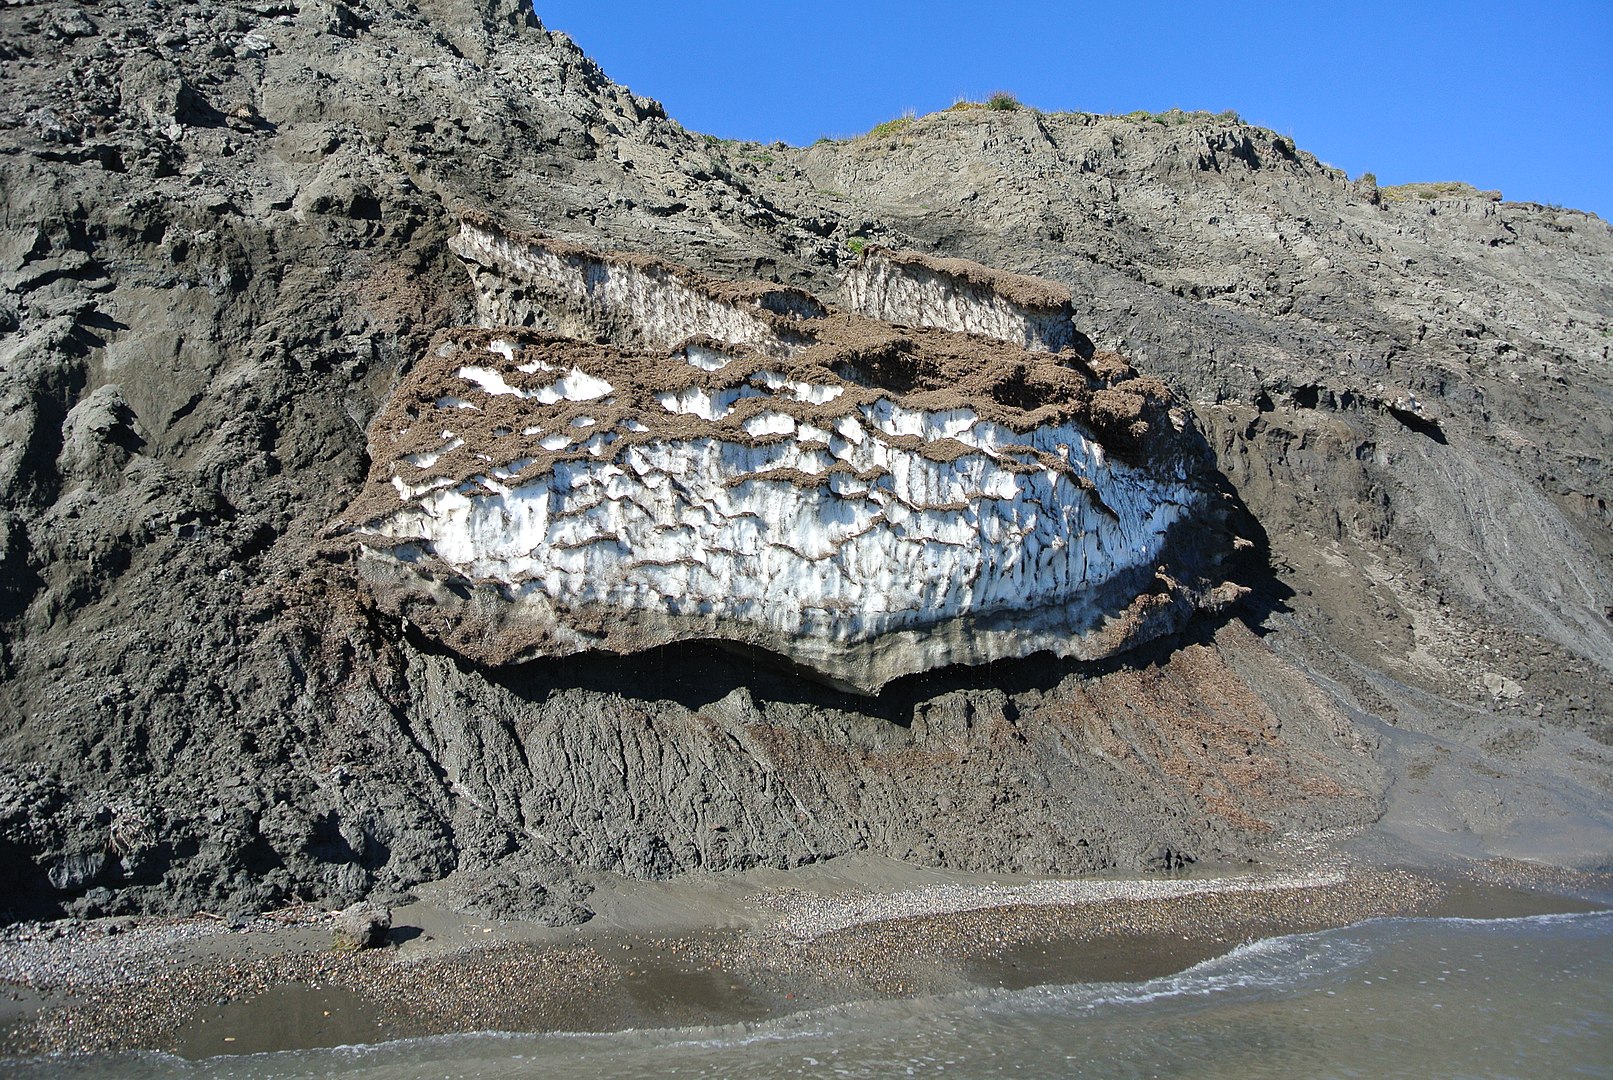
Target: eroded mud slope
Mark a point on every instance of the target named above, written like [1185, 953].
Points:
[224, 239]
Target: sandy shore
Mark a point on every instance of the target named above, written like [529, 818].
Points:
[708, 952]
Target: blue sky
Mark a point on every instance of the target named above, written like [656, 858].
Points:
[1512, 96]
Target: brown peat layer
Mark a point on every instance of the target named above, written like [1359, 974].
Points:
[698, 952]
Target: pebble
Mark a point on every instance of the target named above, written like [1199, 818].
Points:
[808, 916]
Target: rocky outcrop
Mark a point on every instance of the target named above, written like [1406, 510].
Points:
[865, 501]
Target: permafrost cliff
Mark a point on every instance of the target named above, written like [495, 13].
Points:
[231, 244]
[865, 500]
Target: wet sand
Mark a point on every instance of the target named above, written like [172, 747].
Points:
[712, 952]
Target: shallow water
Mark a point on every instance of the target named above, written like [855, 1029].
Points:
[1526, 997]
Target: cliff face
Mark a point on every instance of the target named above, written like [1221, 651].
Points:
[224, 242]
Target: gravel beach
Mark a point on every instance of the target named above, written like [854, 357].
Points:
[206, 986]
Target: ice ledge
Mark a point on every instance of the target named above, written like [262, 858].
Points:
[743, 464]
[914, 289]
[496, 624]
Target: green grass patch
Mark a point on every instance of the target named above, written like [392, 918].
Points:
[1000, 101]
[1181, 117]
[1439, 189]
[892, 127]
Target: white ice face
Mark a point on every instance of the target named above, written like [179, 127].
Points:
[705, 358]
[915, 296]
[667, 311]
[574, 386]
[728, 471]
[806, 530]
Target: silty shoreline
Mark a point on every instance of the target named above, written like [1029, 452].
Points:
[204, 986]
